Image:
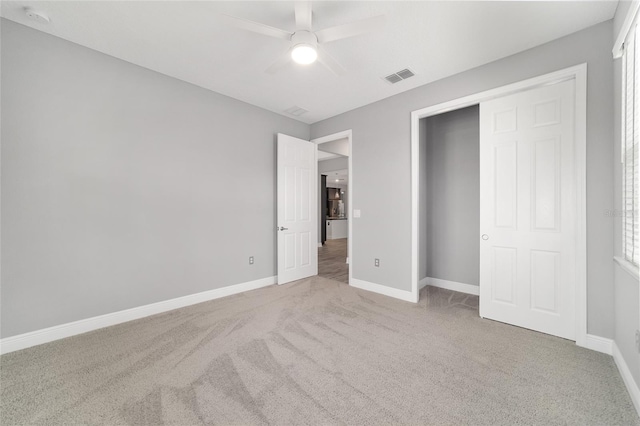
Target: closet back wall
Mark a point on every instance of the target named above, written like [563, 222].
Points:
[453, 195]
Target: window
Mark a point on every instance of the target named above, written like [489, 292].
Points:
[630, 151]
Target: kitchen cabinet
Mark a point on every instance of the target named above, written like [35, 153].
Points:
[337, 228]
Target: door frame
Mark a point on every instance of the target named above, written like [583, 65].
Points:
[577, 73]
[330, 138]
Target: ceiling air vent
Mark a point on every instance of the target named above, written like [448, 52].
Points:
[405, 74]
[399, 76]
[393, 78]
[296, 111]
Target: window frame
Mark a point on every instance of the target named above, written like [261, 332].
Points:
[629, 138]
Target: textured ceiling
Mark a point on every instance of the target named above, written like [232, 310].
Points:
[188, 41]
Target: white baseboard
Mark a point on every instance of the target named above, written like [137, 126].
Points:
[407, 296]
[452, 285]
[38, 337]
[609, 347]
[599, 344]
[629, 382]
[319, 245]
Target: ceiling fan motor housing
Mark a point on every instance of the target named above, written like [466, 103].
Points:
[304, 37]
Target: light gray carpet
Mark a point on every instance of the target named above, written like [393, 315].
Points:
[314, 352]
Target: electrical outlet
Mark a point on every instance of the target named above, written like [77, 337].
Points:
[638, 340]
[250, 260]
[376, 262]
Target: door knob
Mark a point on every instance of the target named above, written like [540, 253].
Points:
[282, 228]
[485, 237]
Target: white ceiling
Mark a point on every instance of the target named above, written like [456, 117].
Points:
[187, 40]
[327, 155]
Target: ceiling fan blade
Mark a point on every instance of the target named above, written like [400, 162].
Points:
[282, 61]
[350, 30]
[303, 15]
[327, 60]
[256, 27]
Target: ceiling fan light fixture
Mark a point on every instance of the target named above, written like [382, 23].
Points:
[304, 54]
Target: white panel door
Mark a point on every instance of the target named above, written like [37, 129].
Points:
[527, 210]
[297, 206]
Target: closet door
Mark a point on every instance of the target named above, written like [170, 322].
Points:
[527, 210]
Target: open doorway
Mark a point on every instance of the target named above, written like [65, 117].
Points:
[334, 196]
[450, 200]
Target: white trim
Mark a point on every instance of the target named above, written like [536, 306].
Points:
[38, 337]
[329, 138]
[454, 285]
[580, 164]
[624, 30]
[415, 200]
[627, 377]
[319, 245]
[599, 344]
[577, 73]
[609, 347]
[405, 295]
[628, 267]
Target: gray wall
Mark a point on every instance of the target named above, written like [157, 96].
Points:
[452, 145]
[627, 300]
[382, 148]
[123, 187]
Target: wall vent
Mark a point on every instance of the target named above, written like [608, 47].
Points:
[296, 111]
[399, 76]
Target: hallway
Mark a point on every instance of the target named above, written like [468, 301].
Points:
[332, 258]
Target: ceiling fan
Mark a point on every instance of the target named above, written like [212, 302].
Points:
[306, 45]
